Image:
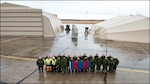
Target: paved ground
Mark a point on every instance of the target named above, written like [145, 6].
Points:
[20, 53]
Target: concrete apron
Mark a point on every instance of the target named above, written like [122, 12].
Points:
[133, 67]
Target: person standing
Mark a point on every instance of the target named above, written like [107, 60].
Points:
[58, 64]
[64, 64]
[105, 64]
[40, 64]
[68, 59]
[99, 64]
[48, 64]
[80, 64]
[96, 62]
[110, 64]
[71, 65]
[86, 64]
[89, 62]
[116, 62]
[93, 64]
[53, 64]
[76, 65]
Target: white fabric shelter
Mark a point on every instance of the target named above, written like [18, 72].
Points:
[132, 28]
[18, 20]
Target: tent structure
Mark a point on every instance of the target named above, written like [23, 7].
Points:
[131, 28]
[18, 20]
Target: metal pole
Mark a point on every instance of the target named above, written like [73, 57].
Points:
[105, 77]
[106, 48]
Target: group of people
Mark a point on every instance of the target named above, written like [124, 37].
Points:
[63, 63]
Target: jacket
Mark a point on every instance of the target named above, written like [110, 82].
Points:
[81, 64]
[64, 63]
[71, 64]
[89, 63]
[86, 64]
[76, 65]
[40, 62]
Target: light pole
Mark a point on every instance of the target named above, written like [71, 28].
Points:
[106, 47]
[86, 15]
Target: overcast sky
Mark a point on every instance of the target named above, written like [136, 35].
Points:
[88, 9]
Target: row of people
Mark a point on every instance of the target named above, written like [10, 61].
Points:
[78, 63]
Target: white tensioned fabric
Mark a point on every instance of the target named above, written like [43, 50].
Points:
[21, 20]
[52, 25]
[126, 28]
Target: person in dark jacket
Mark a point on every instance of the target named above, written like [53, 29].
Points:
[40, 64]
[109, 57]
[96, 62]
[99, 64]
[116, 62]
[58, 64]
[93, 64]
[68, 59]
[64, 64]
[103, 58]
[89, 62]
[71, 65]
[84, 55]
[105, 64]
[110, 64]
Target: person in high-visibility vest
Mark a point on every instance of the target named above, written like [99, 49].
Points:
[53, 64]
[48, 61]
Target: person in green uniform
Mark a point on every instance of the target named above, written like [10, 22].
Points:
[93, 64]
[99, 64]
[58, 65]
[64, 64]
[40, 64]
[96, 62]
[116, 62]
[110, 64]
[68, 59]
[105, 64]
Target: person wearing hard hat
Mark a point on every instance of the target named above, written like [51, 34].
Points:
[40, 64]
[53, 64]
[48, 62]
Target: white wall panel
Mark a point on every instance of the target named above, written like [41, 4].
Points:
[20, 19]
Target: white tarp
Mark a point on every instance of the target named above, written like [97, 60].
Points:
[18, 20]
[133, 28]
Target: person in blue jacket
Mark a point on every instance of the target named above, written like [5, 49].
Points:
[89, 62]
[80, 64]
[71, 65]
